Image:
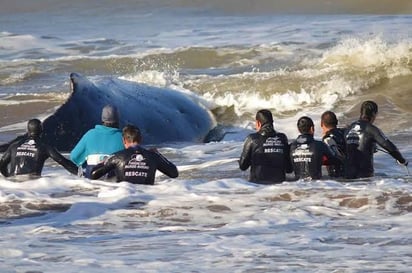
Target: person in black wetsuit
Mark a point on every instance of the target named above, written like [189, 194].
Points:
[27, 155]
[334, 137]
[135, 164]
[361, 138]
[307, 154]
[266, 152]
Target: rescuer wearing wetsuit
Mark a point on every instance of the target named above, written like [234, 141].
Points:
[334, 137]
[135, 164]
[27, 155]
[266, 152]
[361, 138]
[307, 154]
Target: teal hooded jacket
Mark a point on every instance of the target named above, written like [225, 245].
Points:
[101, 140]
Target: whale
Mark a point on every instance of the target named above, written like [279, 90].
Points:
[163, 115]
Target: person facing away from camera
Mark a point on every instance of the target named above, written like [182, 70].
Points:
[361, 139]
[334, 137]
[99, 142]
[135, 164]
[307, 154]
[266, 152]
[27, 155]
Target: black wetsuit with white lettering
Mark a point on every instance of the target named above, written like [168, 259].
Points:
[335, 139]
[135, 165]
[307, 154]
[27, 156]
[361, 138]
[267, 154]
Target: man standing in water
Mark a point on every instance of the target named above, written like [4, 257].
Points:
[361, 139]
[27, 155]
[266, 152]
[334, 137]
[135, 164]
[100, 142]
[307, 153]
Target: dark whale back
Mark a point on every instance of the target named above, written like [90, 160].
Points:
[163, 115]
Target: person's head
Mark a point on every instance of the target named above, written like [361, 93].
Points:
[34, 127]
[263, 117]
[369, 110]
[131, 135]
[110, 116]
[328, 121]
[305, 125]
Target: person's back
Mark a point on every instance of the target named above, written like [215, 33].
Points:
[266, 152]
[334, 137]
[135, 164]
[361, 139]
[28, 155]
[100, 142]
[307, 154]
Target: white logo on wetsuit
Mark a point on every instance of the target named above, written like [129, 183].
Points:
[27, 149]
[353, 136]
[302, 153]
[273, 145]
[136, 166]
[136, 158]
[137, 161]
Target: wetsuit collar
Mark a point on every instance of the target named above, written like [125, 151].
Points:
[305, 138]
[266, 129]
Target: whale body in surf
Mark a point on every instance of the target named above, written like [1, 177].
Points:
[163, 115]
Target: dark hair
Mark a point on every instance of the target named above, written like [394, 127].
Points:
[132, 133]
[368, 110]
[264, 116]
[34, 127]
[329, 119]
[304, 125]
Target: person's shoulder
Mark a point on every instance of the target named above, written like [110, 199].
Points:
[252, 136]
[90, 132]
[371, 128]
[335, 133]
[354, 123]
[315, 140]
[98, 127]
[283, 137]
[17, 143]
[294, 142]
[41, 144]
[341, 130]
[281, 134]
[321, 144]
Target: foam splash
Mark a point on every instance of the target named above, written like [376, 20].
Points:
[350, 68]
[368, 54]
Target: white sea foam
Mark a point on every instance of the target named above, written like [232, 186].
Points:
[210, 219]
[229, 222]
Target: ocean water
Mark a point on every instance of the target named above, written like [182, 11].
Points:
[238, 57]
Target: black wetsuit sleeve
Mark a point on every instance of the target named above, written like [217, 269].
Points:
[59, 158]
[165, 166]
[288, 162]
[4, 162]
[5, 146]
[101, 169]
[326, 151]
[385, 143]
[246, 157]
